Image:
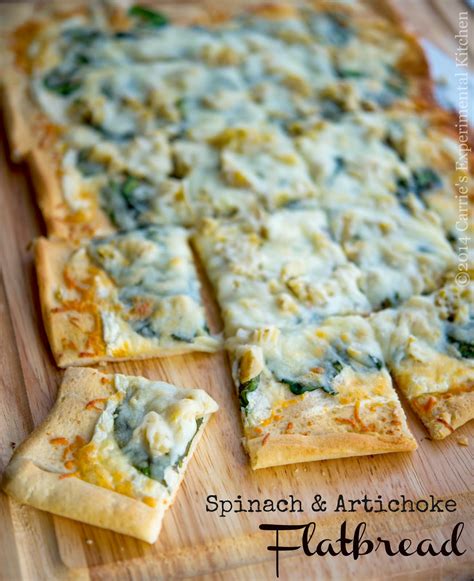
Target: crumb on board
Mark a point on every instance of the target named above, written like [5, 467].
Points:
[89, 542]
[463, 441]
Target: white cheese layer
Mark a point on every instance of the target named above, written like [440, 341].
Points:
[333, 364]
[151, 423]
[429, 341]
[281, 270]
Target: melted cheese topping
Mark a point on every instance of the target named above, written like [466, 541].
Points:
[399, 254]
[429, 341]
[124, 99]
[146, 291]
[143, 436]
[331, 365]
[281, 270]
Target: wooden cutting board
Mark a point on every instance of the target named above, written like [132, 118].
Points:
[194, 542]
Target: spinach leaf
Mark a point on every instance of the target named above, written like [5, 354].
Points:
[143, 327]
[148, 17]
[403, 189]
[246, 388]
[126, 200]
[122, 429]
[62, 81]
[375, 362]
[180, 460]
[180, 337]
[425, 179]
[349, 74]
[388, 302]
[340, 164]
[82, 35]
[465, 348]
[337, 366]
[299, 388]
[421, 181]
[146, 470]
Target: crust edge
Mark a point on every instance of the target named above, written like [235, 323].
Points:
[294, 448]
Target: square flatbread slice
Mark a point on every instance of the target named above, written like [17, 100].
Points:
[281, 269]
[429, 345]
[131, 295]
[112, 452]
[316, 392]
[398, 253]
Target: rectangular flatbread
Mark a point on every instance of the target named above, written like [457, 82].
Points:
[112, 452]
[99, 98]
[131, 295]
[316, 392]
[429, 345]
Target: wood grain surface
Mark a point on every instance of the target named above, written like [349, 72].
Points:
[195, 543]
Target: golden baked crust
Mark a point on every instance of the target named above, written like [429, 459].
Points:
[37, 475]
[36, 140]
[74, 324]
[346, 432]
[441, 412]
[316, 393]
[290, 449]
[428, 347]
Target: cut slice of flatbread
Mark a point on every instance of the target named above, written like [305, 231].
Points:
[429, 346]
[132, 295]
[112, 452]
[282, 269]
[399, 254]
[316, 392]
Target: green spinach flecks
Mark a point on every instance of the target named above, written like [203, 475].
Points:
[246, 388]
[147, 17]
[465, 348]
[62, 81]
[298, 387]
[421, 182]
[144, 328]
[126, 200]
[151, 466]
[182, 338]
[375, 362]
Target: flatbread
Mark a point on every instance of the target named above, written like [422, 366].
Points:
[133, 295]
[48, 470]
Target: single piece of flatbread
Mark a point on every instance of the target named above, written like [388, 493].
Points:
[317, 392]
[132, 295]
[56, 469]
[429, 347]
[282, 269]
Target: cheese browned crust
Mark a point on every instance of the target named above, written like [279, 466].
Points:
[330, 37]
[44, 470]
[306, 137]
[315, 393]
[133, 295]
[429, 347]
